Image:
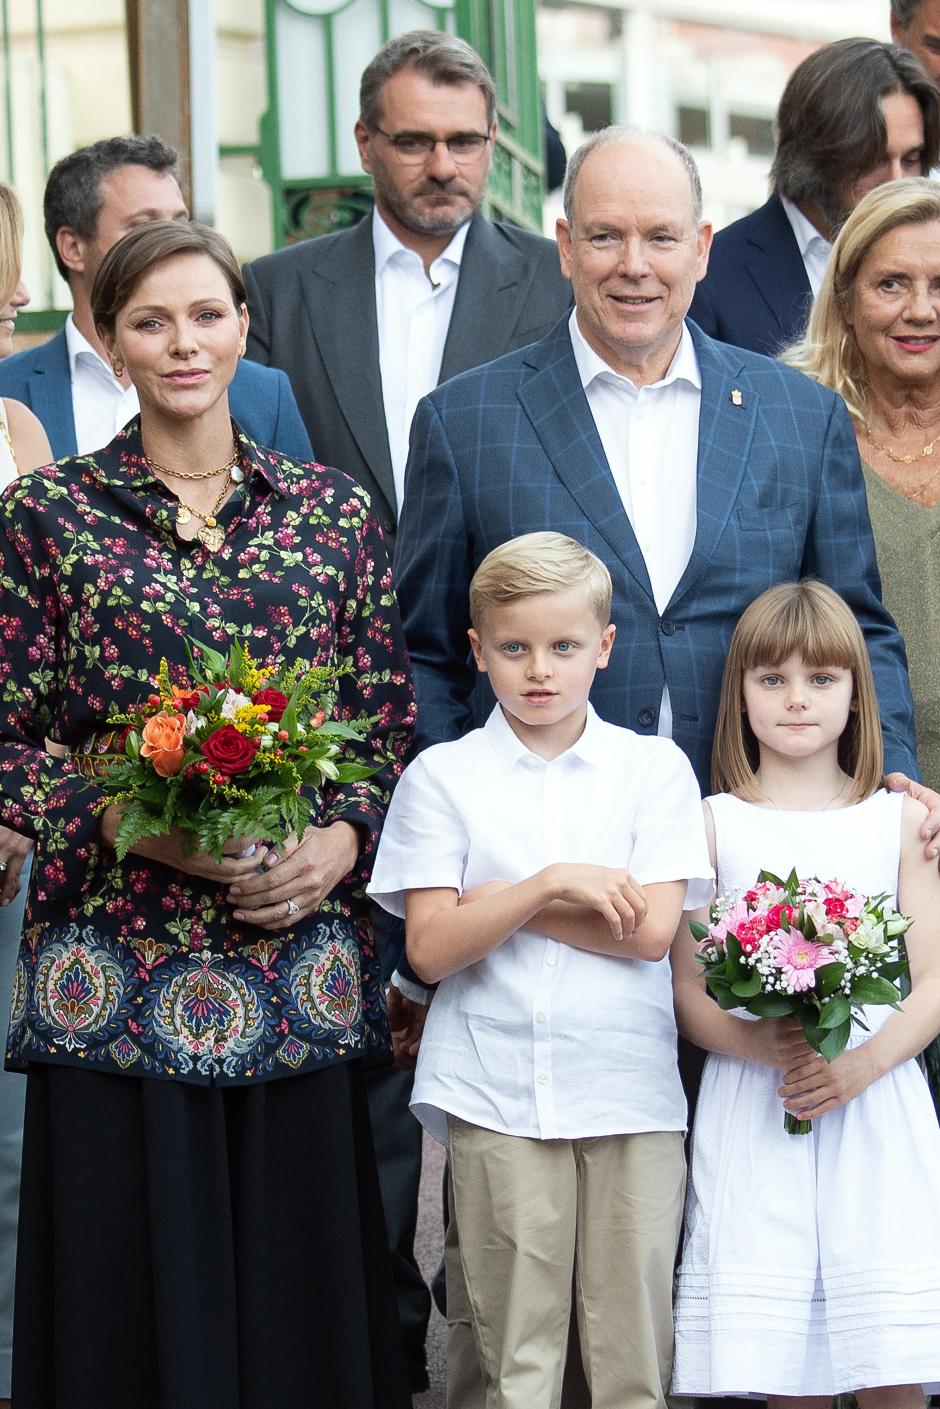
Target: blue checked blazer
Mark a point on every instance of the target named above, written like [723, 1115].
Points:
[512, 448]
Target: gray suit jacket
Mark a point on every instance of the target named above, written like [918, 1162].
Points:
[312, 309]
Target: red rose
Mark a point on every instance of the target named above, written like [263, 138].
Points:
[835, 908]
[775, 913]
[274, 702]
[229, 751]
[750, 933]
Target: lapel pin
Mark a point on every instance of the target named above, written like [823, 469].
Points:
[737, 398]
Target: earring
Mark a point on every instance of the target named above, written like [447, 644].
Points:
[117, 367]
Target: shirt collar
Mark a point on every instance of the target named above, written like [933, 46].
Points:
[386, 245]
[807, 236]
[510, 749]
[683, 367]
[78, 347]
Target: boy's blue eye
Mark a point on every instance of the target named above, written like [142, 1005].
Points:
[512, 648]
[564, 645]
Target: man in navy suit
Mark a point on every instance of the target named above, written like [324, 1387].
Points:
[94, 197]
[853, 115]
[701, 474]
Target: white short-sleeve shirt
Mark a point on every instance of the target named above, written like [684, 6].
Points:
[539, 1038]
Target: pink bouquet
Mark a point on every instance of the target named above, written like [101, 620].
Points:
[812, 950]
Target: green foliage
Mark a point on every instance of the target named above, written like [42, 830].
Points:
[275, 792]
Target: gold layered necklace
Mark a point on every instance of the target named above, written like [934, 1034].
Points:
[212, 534]
[916, 495]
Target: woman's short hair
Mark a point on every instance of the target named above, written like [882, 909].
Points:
[11, 240]
[148, 246]
[829, 351]
[540, 562]
[830, 126]
[806, 619]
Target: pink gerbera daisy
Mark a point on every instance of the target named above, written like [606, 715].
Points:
[798, 958]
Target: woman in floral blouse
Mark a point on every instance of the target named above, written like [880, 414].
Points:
[200, 1222]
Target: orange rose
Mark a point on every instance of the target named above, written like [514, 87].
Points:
[163, 743]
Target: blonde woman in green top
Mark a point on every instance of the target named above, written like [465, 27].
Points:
[874, 337]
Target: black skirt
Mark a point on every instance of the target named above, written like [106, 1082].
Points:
[190, 1247]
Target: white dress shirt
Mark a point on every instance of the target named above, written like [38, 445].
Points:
[101, 406]
[413, 313]
[815, 249]
[539, 1038]
[650, 438]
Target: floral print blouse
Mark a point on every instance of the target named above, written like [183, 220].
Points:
[137, 967]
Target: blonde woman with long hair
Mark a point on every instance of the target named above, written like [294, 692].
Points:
[874, 337]
[24, 442]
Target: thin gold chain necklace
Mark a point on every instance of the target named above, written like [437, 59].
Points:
[916, 495]
[229, 467]
[825, 808]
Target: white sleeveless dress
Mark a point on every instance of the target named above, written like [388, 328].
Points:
[811, 1263]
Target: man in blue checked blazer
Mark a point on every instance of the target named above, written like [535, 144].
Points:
[700, 473]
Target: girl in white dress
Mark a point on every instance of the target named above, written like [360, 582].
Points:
[811, 1264]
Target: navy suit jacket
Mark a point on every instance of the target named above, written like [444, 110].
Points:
[512, 448]
[755, 293]
[260, 399]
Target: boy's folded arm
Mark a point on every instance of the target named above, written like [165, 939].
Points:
[442, 937]
[585, 928]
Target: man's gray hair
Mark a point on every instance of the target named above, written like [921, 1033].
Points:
[613, 136]
[442, 58]
[903, 11]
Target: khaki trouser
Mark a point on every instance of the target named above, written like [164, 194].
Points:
[531, 1216]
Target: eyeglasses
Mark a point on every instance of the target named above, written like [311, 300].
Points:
[415, 148]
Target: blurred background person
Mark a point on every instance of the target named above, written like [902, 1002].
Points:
[853, 115]
[23, 447]
[93, 197]
[874, 337]
[915, 24]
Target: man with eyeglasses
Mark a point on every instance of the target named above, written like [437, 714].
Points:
[368, 320]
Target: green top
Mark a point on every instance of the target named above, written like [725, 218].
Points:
[907, 541]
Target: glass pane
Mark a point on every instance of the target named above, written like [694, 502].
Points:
[303, 111]
[757, 132]
[694, 126]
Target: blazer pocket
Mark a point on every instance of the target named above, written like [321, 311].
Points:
[761, 517]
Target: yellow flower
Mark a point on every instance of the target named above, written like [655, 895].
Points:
[250, 719]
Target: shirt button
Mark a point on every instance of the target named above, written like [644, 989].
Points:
[646, 717]
[541, 1078]
[540, 1017]
[550, 961]
[668, 628]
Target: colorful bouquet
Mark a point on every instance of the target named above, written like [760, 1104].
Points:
[235, 751]
[812, 950]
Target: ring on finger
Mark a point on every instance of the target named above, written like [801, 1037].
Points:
[292, 907]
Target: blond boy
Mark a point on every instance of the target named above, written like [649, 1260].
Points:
[542, 863]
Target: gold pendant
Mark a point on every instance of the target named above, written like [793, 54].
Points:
[211, 537]
[183, 515]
